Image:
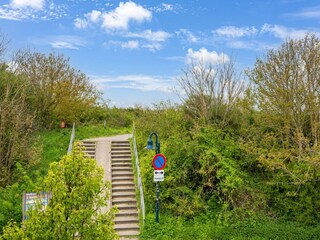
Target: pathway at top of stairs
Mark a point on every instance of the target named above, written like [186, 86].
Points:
[114, 155]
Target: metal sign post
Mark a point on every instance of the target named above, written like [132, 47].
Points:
[159, 162]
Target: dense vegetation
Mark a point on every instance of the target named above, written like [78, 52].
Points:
[255, 160]
[243, 157]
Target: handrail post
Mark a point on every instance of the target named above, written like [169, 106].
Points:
[72, 138]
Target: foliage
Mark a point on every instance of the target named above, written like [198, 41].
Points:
[212, 91]
[205, 227]
[59, 92]
[76, 207]
[287, 91]
[51, 146]
[16, 125]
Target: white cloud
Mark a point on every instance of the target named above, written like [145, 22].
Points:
[126, 12]
[130, 44]
[66, 42]
[234, 32]
[21, 10]
[206, 57]
[157, 36]
[313, 12]
[186, 34]
[283, 32]
[81, 23]
[94, 16]
[90, 18]
[35, 4]
[165, 7]
[126, 45]
[140, 82]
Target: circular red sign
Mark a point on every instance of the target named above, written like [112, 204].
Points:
[159, 161]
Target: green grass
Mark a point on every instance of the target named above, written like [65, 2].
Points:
[53, 144]
[203, 227]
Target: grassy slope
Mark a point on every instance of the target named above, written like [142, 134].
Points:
[52, 145]
[202, 227]
[55, 143]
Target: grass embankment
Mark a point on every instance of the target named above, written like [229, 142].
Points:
[204, 227]
[54, 143]
[50, 146]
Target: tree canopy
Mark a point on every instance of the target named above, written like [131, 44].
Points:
[77, 207]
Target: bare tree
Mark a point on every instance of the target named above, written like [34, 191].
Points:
[210, 92]
[16, 125]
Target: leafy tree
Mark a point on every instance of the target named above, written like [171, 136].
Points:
[77, 207]
[59, 91]
[287, 87]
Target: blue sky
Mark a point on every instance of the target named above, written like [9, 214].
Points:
[134, 51]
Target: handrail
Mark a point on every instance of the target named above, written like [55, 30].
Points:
[72, 138]
[142, 206]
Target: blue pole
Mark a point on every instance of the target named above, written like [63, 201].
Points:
[157, 183]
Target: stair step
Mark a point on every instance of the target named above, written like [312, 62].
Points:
[122, 174]
[125, 183]
[127, 226]
[129, 219]
[123, 195]
[125, 235]
[121, 179]
[122, 161]
[124, 207]
[127, 213]
[117, 156]
[122, 168]
[124, 188]
[121, 164]
[126, 200]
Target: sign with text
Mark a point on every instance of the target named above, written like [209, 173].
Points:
[31, 199]
[158, 176]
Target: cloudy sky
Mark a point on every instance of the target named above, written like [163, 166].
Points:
[135, 50]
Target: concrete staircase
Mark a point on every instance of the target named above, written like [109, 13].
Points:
[90, 148]
[123, 190]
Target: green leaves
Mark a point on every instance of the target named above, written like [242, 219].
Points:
[77, 206]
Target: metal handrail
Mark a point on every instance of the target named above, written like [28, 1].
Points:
[142, 206]
[72, 138]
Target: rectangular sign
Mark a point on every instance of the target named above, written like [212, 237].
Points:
[31, 199]
[158, 176]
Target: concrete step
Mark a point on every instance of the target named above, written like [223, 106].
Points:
[119, 184]
[121, 164]
[121, 160]
[125, 200]
[121, 174]
[129, 235]
[130, 219]
[123, 188]
[124, 207]
[122, 168]
[122, 178]
[127, 213]
[117, 195]
[124, 156]
[121, 147]
[126, 226]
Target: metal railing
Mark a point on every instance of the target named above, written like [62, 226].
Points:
[72, 138]
[142, 206]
